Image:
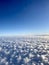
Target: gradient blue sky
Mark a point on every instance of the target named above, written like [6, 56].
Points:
[24, 17]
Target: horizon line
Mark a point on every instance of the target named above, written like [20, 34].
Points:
[47, 34]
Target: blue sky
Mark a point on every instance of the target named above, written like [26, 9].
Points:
[24, 17]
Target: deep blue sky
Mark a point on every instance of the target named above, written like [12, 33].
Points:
[24, 16]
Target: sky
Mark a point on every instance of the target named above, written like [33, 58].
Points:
[24, 17]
